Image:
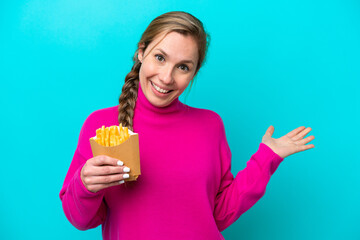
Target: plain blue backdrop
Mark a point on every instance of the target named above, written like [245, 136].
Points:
[281, 63]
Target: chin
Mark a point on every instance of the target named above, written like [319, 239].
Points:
[155, 100]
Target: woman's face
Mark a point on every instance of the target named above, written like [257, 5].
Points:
[167, 68]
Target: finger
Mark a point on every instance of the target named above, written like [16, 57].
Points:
[295, 132]
[106, 160]
[301, 134]
[108, 170]
[97, 187]
[305, 140]
[105, 179]
[305, 147]
[270, 131]
[105, 170]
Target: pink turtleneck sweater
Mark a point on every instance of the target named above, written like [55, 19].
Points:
[186, 189]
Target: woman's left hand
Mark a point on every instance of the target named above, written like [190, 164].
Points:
[289, 144]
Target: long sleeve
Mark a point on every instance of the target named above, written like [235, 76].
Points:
[84, 209]
[236, 196]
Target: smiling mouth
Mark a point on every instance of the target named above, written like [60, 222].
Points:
[160, 90]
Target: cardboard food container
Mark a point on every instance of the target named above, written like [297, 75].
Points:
[127, 152]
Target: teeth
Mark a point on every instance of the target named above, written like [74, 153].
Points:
[159, 89]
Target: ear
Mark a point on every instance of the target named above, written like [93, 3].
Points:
[141, 51]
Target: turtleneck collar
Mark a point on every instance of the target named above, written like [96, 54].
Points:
[143, 104]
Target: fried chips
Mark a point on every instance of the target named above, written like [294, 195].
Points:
[111, 136]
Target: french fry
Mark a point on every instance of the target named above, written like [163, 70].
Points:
[103, 135]
[98, 136]
[98, 132]
[117, 131]
[111, 136]
[122, 134]
[112, 140]
[126, 133]
[107, 137]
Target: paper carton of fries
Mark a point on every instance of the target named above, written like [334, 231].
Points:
[120, 143]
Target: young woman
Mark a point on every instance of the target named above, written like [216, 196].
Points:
[186, 189]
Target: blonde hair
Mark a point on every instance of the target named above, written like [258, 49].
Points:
[176, 21]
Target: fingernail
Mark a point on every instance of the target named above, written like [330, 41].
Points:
[126, 175]
[120, 163]
[126, 169]
[121, 182]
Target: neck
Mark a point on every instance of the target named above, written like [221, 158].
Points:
[143, 104]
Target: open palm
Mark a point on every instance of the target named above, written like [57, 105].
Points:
[289, 144]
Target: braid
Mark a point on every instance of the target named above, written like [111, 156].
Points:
[128, 97]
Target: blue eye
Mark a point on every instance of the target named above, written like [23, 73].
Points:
[159, 57]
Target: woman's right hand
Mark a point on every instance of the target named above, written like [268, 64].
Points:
[102, 172]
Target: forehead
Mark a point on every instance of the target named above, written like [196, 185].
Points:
[177, 46]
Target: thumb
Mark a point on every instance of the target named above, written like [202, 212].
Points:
[270, 131]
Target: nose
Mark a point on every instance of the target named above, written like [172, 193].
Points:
[166, 75]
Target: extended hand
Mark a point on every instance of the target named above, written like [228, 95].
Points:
[291, 143]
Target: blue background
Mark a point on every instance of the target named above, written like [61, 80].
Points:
[280, 63]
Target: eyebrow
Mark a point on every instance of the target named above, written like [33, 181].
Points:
[185, 61]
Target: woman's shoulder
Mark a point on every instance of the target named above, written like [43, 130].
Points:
[205, 122]
[206, 116]
[104, 116]
[109, 111]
